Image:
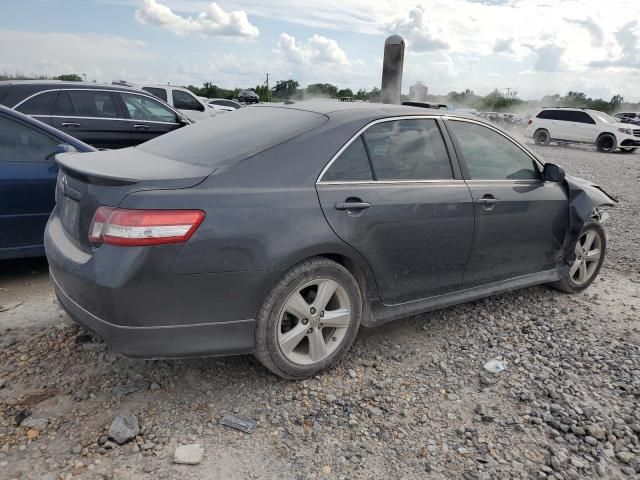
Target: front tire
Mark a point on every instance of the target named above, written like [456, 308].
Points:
[308, 320]
[606, 143]
[588, 255]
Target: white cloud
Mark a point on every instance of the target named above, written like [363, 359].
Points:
[628, 48]
[550, 58]
[317, 50]
[420, 30]
[213, 21]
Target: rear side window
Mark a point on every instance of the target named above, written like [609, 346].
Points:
[63, 106]
[92, 103]
[491, 156]
[351, 165]
[41, 104]
[22, 143]
[408, 150]
[161, 93]
[184, 101]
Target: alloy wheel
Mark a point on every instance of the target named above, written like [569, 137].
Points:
[314, 321]
[588, 252]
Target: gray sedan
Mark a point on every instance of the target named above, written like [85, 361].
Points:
[329, 216]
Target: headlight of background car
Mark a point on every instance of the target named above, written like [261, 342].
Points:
[626, 131]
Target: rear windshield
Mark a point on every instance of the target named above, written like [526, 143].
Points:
[233, 136]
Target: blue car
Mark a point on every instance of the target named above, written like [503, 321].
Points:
[28, 175]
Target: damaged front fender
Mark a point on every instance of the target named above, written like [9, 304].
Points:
[584, 200]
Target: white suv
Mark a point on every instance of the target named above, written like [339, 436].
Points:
[578, 125]
[182, 100]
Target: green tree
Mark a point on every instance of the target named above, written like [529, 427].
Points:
[285, 89]
[362, 94]
[345, 92]
[322, 90]
[69, 77]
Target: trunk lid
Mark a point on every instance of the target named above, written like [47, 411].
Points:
[89, 180]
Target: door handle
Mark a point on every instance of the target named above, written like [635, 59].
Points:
[351, 205]
[145, 127]
[70, 124]
[487, 201]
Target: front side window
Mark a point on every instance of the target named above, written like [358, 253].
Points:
[184, 101]
[351, 165]
[408, 150]
[147, 109]
[491, 156]
[63, 106]
[161, 93]
[41, 104]
[582, 117]
[93, 103]
[22, 143]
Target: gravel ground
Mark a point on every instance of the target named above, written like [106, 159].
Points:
[411, 399]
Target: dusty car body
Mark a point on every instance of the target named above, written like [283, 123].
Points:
[256, 215]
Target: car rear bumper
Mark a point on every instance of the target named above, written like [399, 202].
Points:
[174, 341]
[130, 297]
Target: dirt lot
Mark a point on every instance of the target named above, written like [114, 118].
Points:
[411, 400]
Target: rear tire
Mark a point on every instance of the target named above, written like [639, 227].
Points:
[606, 143]
[585, 266]
[308, 320]
[542, 137]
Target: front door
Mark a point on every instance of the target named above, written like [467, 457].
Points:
[27, 184]
[521, 220]
[393, 196]
[148, 118]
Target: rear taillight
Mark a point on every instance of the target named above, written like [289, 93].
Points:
[529, 122]
[116, 226]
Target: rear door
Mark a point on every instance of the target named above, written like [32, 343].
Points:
[394, 195]
[148, 118]
[520, 220]
[27, 183]
[92, 116]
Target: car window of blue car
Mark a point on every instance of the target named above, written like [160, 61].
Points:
[408, 150]
[490, 155]
[22, 143]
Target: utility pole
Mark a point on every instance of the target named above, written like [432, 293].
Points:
[508, 89]
[268, 91]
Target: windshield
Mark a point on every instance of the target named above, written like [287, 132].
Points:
[603, 117]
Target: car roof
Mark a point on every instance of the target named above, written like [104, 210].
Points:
[365, 109]
[63, 137]
[64, 84]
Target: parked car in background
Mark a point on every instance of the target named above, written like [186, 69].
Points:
[104, 116]
[248, 96]
[27, 180]
[628, 117]
[209, 241]
[182, 99]
[581, 125]
[224, 104]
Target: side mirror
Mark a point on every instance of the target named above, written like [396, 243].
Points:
[553, 173]
[183, 121]
[62, 148]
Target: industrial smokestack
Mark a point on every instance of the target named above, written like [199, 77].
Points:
[392, 69]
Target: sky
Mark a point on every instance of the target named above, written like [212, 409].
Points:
[535, 47]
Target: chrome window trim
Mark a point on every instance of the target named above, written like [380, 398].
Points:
[105, 118]
[145, 95]
[360, 132]
[491, 127]
[394, 182]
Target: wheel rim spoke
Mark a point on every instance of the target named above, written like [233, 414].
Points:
[583, 273]
[326, 289]
[588, 241]
[292, 338]
[340, 318]
[574, 267]
[297, 306]
[593, 255]
[317, 347]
